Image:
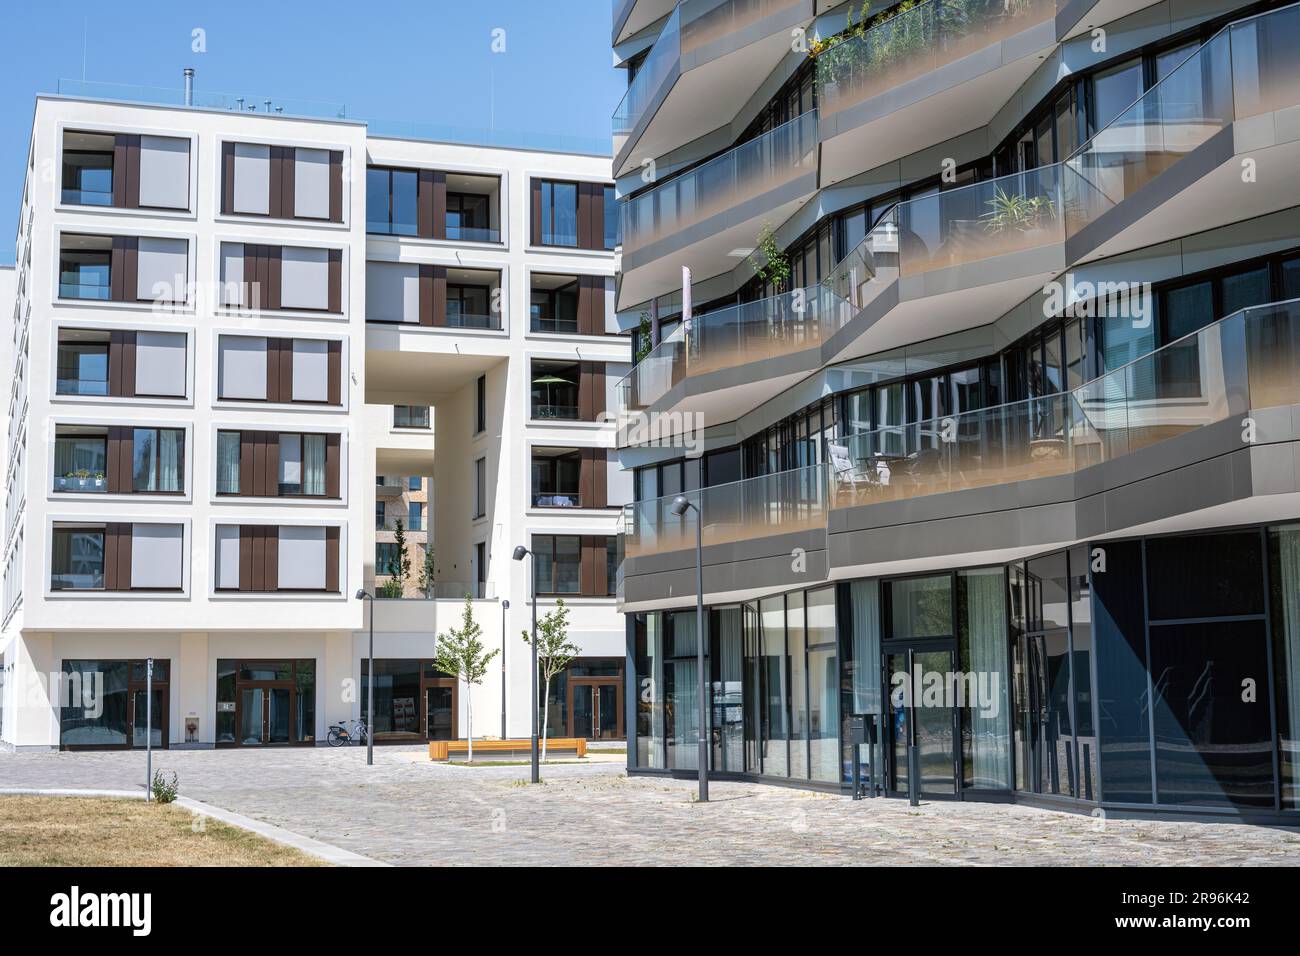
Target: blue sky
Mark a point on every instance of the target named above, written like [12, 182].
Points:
[429, 61]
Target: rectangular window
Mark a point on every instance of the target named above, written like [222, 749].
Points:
[158, 460]
[302, 556]
[480, 487]
[410, 416]
[162, 270]
[559, 211]
[86, 267]
[82, 362]
[557, 563]
[80, 460]
[78, 559]
[480, 405]
[252, 179]
[415, 516]
[413, 483]
[310, 370]
[241, 368]
[301, 465]
[156, 557]
[228, 444]
[613, 224]
[392, 201]
[227, 558]
[304, 278]
[386, 557]
[311, 183]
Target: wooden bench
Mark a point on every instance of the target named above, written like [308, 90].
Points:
[506, 749]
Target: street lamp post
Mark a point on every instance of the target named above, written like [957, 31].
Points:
[505, 606]
[681, 504]
[370, 680]
[520, 553]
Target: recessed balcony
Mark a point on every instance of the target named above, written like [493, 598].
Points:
[709, 59]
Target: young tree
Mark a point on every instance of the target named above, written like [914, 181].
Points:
[426, 583]
[554, 651]
[460, 652]
[399, 568]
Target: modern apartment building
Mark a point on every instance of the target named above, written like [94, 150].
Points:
[983, 389]
[228, 319]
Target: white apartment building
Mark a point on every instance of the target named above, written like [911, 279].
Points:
[215, 313]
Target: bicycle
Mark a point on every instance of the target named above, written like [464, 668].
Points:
[339, 734]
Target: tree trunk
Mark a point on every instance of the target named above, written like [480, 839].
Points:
[469, 721]
[546, 716]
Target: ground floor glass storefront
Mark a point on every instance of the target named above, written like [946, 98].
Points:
[1161, 673]
[413, 701]
[586, 700]
[108, 704]
[266, 703]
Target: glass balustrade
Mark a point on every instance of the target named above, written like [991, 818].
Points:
[876, 58]
[693, 25]
[1249, 360]
[783, 503]
[750, 170]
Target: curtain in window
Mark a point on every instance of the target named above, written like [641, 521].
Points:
[1288, 573]
[171, 446]
[684, 734]
[228, 463]
[313, 464]
[866, 647]
[990, 723]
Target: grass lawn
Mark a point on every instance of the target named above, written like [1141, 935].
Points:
[99, 831]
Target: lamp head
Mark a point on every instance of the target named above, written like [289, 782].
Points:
[361, 594]
[520, 551]
[680, 504]
[505, 605]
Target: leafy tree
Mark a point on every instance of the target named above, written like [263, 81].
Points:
[643, 337]
[460, 652]
[775, 265]
[554, 652]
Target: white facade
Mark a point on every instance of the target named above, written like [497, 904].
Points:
[187, 599]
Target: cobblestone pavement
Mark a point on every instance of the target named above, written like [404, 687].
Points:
[405, 810]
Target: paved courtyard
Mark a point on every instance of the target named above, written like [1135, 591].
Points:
[405, 810]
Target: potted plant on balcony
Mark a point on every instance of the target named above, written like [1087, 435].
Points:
[81, 479]
[1018, 213]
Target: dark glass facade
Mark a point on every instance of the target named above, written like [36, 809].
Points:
[1159, 673]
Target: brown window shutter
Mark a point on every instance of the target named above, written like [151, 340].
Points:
[596, 383]
[117, 556]
[600, 478]
[590, 569]
[439, 296]
[535, 202]
[253, 291]
[276, 190]
[258, 552]
[271, 464]
[586, 479]
[336, 185]
[424, 204]
[439, 205]
[335, 368]
[584, 305]
[246, 532]
[121, 364]
[257, 486]
[247, 463]
[584, 216]
[124, 266]
[273, 369]
[599, 577]
[119, 478]
[333, 458]
[227, 178]
[133, 172]
[120, 146]
[271, 546]
[336, 280]
[332, 559]
[271, 263]
[285, 349]
[288, 156]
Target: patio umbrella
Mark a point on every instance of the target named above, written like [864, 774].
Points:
[548, 381]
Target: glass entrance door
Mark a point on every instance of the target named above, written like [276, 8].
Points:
[140, 717]
[439, 712]
[265, 716]
[922, 711]
[595, 708]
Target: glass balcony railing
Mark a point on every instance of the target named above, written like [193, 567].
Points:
[693, 24]
[81, 386]
[473, 233]
[783, 503]
[71, 289]
[749, 170]
[468, 320]
[875, 58]
[1247, 361]
[204, 99]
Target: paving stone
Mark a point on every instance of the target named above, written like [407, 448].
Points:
[405, 810]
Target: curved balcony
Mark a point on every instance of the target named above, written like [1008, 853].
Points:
[710, 58]
[704, 214]
[964, 57]
[1242, 365]
[1166, 167]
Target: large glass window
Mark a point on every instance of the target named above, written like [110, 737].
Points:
[392, 205]
[775, 755]
[78, 559]
[1284, 578]
[796, 641]
[1114, 91]
[397, 697]
[559, 214]
[613, 221]
[823, 687]
[982, 659]
[557, 561]
[82, 363]
[158, 460]
[80, 460]
[682, 692]
[96, 699]
[649, 655]
[921, 607]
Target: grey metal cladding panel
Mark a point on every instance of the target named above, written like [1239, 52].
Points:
[791, 191]
[718, 554]
[1070, 14]
[1200, 162]
[779, 22]
[804, 362]
[750, 574]
[981, 273]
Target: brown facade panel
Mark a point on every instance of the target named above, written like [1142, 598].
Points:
[271, 558]
[247, 463]
[439, 205]
[584, 216]
[121, 364]
[535, 205]
[336, 280]
[270, 443]
[117, 556]
[336, 185]
[121, 447]
[333, 459]
[335, 368]
[332, 559]
[285, 353]
[424, 204]
[227, 178]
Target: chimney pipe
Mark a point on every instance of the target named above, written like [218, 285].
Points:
[189, 86]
